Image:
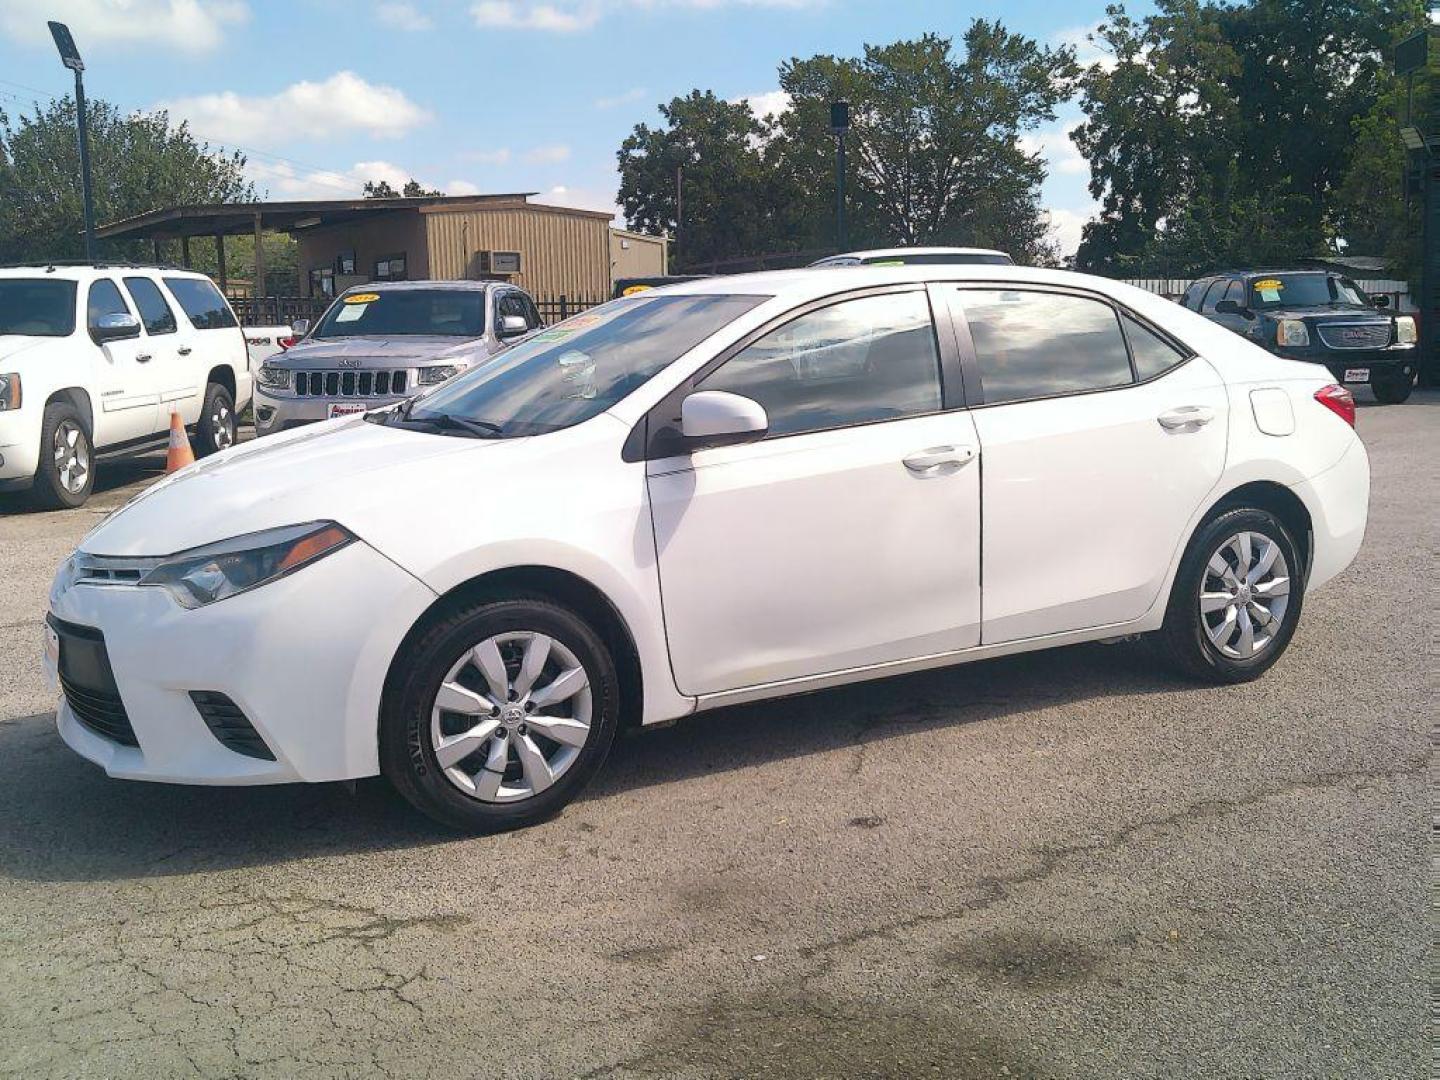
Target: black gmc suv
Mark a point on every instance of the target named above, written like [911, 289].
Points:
[1316, 316]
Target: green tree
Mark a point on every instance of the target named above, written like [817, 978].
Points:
[413, 189]
[139, 162]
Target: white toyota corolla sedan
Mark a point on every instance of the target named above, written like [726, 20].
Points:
[722, 491]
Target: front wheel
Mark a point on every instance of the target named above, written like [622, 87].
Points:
[66, 474]
[1236, 599]
[216, 430]
[1393, 391]
[501, 714]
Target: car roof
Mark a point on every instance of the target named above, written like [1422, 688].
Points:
[813, 282]
[901, 252]
[402, 286]
[86, 271]
[1267, 270]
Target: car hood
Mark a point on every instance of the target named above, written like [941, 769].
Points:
[375, 351]
[337, 470]
[15, 344]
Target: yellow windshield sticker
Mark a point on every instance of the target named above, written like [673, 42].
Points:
[1269, 285]
[362, 298]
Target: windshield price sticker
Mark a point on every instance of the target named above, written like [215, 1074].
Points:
[351, 314]
[1269, 289]
[362, 298]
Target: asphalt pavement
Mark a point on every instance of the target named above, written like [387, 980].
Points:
[1062, 865]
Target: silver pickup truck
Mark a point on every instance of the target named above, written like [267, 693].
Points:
[381, 343]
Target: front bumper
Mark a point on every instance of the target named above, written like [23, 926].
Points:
[19, 446]
[275, 412]
[1395, 363]
[304, 657]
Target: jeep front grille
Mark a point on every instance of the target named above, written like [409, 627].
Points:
[350, 383]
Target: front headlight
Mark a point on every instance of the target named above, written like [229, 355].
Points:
[1291, 332]
[1405, 330]
[274, 378]
[9, 392]
[206, 574]
[430, 376]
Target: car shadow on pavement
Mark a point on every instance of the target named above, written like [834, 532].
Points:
[62, 819]
[110, 475]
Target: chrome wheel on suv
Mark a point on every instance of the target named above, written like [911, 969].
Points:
[71, 448]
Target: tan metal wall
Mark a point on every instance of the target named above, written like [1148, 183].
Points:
[636, 255]
[562, 252]
[371, 237]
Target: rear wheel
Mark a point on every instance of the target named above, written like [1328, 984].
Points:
[66, 473]
[1393, 391]
[216, 430]
[503, 713]
[1236, 599]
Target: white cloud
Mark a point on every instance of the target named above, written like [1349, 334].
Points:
[767, 103]
[548, 155]
[1087, 52]
[280, 179]
[342, 104]
[189, 26]
[1067, 225]
[629, 97]
[1057, 148]
[461, 187]
[583, 199]
[523, 15]
[403, 16]
[499, 156]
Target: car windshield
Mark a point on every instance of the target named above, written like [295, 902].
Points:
[405, 312]
[580, 368]
[1304, 290]
[37, 307]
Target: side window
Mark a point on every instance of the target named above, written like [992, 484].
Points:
[854, 362]
[1212, 296]
[1191, 299]
[1152, 354]
[532, 313]
[155, 313]
[104, 299]
[1235, 291]
[202, 302]
[1034, 344]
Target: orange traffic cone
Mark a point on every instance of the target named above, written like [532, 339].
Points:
[179, 455]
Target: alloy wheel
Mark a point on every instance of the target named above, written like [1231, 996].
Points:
[511, 716]
[72, 456]
[1245, 594]
[222, 424]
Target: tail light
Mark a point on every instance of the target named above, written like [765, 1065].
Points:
[1339, 401]
[286, 342]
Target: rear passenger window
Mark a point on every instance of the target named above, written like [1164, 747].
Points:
[1034, 344]
[854, 362]
[1152, 353]
[155, 313]
[202, 303]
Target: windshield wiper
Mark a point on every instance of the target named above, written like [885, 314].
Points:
[481, 428]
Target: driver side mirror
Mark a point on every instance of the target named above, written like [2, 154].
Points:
[1381, 301]
[1230, 307]
[300, 327]
[115, 327]
[511, 326]
[711, 418]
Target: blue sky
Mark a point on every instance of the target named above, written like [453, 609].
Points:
[477, 95]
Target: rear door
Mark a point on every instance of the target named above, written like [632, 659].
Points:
[216, 340]
[1100, 438]
[129, 398]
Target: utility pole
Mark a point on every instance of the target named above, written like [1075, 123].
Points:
[840, 124]
[1421, 136]
[679, 208]
[70, 57]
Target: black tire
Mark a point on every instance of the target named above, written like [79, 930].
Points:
[1393, 391]
[1184, 640]
[407, 756]
[50, 491]
[216, 429]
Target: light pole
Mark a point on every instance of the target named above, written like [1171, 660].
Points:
[70, 57]
[1419, 135]
[839, 124]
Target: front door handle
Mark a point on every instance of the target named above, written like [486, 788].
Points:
[184, 350]
[1186, 416]
[142, 358]
[932, 461]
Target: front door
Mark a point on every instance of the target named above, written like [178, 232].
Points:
[1100, 439]
[850, 535]
[125, 374]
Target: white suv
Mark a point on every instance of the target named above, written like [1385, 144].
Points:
[93, 360]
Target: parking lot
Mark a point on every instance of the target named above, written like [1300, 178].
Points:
[1062, 865]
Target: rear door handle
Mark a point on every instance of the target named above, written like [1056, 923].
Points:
[184, 350]
[1186, 416]
[142, 358]
[931, 461]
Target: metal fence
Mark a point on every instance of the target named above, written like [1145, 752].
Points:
[555, 309]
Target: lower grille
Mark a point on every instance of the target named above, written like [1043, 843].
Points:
[102, 713]
[229, 725]
[350, 383]
[1355, 335]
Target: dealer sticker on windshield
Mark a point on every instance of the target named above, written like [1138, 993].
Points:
[1269, 289]
[362, 298]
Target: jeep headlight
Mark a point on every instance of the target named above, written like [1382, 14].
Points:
[9, 392]
[274, 378]
[1291, 332]
[1405, 330]
[206, 574]
[432, 376]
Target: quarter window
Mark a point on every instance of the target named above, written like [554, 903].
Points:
[1035, 344]
[202, 302]
[854, 362]
[1152, 353]
[155, 313]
